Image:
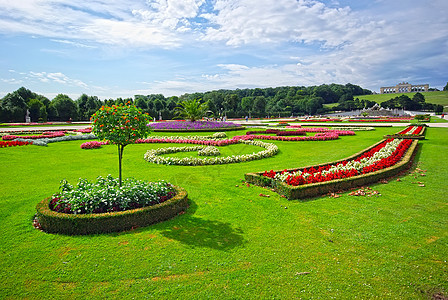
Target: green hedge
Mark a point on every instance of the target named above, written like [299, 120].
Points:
[54, 222]
[321, 188]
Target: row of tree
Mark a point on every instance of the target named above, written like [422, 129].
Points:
[417, 102]
[280, 101]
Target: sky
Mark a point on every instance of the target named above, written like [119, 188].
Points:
[122, 48]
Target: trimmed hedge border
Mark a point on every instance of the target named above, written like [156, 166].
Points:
[82, 224]
[321, 188]
[201, 130]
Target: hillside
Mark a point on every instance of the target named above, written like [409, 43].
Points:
[430, 97]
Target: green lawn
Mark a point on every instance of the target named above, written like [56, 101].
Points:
[231, 243]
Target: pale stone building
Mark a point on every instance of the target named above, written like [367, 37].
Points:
[404, 87]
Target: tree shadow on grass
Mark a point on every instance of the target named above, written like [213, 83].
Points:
[198, 232]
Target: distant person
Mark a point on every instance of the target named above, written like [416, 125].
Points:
[247, 118]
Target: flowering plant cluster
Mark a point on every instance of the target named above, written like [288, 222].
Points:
[209, 151]
[412, 130]
[4, 144]
[188, 125]
[46, 134]
[93, 145]
[85, 130]
[384, 155]
[106, 195]
[154, 155]
[120, 124]
[219, 135]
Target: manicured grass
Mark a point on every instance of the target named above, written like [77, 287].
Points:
[231, 243]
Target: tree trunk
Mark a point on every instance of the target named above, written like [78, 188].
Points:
[120, 157]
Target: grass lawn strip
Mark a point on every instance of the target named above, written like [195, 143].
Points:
[231, 241]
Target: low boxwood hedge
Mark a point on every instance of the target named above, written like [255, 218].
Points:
[81, 224]
[321, 188]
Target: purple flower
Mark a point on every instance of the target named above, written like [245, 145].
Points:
[188, 125]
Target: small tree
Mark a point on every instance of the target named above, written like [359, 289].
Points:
[192, 109]
[121, 125]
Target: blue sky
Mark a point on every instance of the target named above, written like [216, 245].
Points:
[122, 48]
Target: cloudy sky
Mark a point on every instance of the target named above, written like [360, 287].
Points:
[121, 48]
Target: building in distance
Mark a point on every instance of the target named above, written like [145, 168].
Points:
[404, 87]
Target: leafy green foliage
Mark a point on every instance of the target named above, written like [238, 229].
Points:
[121, 125]
[192, 110]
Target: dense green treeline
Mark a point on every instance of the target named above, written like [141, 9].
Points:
[258, 102]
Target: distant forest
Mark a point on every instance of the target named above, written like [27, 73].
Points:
[258, 102]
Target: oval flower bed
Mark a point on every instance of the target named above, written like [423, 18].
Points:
[154, 155]
[380, 161]
[104, 206]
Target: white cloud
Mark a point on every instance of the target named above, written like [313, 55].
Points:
[72, 43]
[56, 77]
[172, 14]
[239, 22]
[96, 21]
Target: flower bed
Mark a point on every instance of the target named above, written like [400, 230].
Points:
[93, 145]
[212, 140]
[106, 195]
[154, 155]
[48, 134]
[76, 224]
[85, 130]
[363, 168]
[410, 132]
[194, 126]
[4, 144]
[323, 134]
[45, 141]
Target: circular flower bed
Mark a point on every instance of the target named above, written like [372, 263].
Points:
[154, 155]
[194, 126]
[81, 211]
